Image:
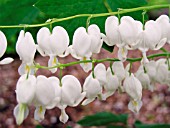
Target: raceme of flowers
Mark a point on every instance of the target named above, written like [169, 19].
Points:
[128, 34]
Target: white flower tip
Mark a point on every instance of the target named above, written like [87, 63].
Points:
[63, 117]
[135, 106]
[87, 101]
[7, 60]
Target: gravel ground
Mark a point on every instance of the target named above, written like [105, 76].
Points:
[155, 109]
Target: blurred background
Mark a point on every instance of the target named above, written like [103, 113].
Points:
[156, 105]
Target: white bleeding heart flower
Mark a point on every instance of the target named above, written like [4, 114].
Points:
[146, 40]
[129, 30]
[119, 70]
[124, 35]
[25, 92]
[112, 36]
[68, 92]
[26, 48]
[133, 88]
[53, 44]
[112, 84]
[96, 40]
[3, 47]
[143, 77]
[151, 70]
[162, 71]
[44, 96]
[93, 44]
[92, 88]
[100, 73]
[164, 24]
[71, 95]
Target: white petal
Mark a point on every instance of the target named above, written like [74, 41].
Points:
[26, 47]
[119, 70]
[26, 69]
[133, 87]
[144, 60]
[100, 73]
[152, 29]
[129, 30]
[92, 87]
[52, 62]
[73, 52]
[43, 40]
[151, 70]
[160, 44]
[144, 79]
[86, 66]
[71, 90]
[112, 82]
[82, 96]
[40, 51]
[25, 89]
[66, 53]
[135, 106]
[59, 40]
[63, 117]
[111, 29]
[45, 92]
[164, 24]
[87, 101]
[6, 61]
[96, 42]
[105, 39]
[56, 84]
[122, 53]
[39, 113]
[3, 44]
[20, 112]
[82, 42]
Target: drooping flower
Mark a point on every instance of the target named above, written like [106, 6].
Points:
[112, 84]
[92, 88]
[163, 22]
[26, 48]
[85, 44]
[44, 96]
[162, 71]
[68, 92]
[53, 44]
[124, 34]
[3, 47]
[100, 73]
[25, 92]
[143, 77]
[119, 70]
[146, 40]
[133, 88]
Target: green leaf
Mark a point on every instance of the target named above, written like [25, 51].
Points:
[39, 126]
[14, 12]
[103, 118]
[115, 126]
[65, 8]
[152, 125]
[126, 4]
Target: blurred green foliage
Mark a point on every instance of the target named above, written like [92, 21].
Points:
[110, 120]
[14, 12]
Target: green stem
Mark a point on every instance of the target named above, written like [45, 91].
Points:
[107, 6]
[102, 60]
[163, 49]
[88, 15]
[93, 61]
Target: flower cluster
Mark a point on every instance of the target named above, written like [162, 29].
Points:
[126, 33]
